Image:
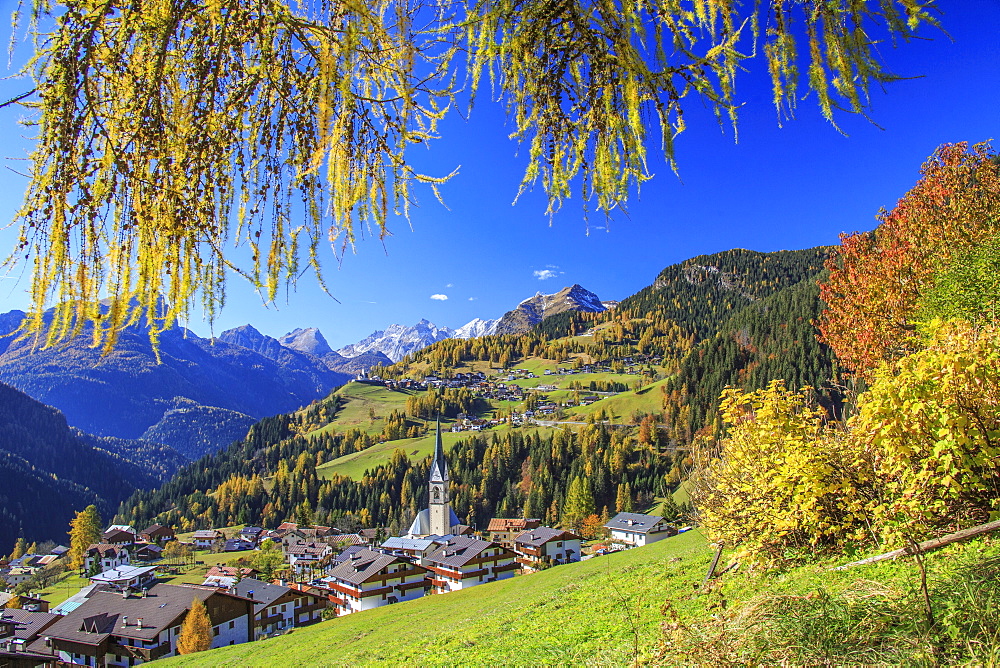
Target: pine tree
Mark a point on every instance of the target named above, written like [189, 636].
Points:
[85, 529]
[19, 549]
[196, 631]
[32, 549]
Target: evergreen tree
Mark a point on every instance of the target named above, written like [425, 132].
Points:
[196, 631]
[85, 529]
[579, 503]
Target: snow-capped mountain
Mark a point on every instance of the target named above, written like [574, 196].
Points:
[397, 341]
[533, 310]
[476, 328]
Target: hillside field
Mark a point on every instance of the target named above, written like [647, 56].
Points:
[573, 614]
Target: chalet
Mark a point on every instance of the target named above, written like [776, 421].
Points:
[147, 552]
[118, 536]
[636, 529]
[126, 577]
[104, 556]
[108, 629]
[157, 534]
[276, 607]
[371, 579]
[19, 575]
[206, 538]
[544, 545]
[346, 554]
[464, 561]
[504, 530]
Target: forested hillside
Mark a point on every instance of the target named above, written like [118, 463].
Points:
[746, 316]
[48, 470]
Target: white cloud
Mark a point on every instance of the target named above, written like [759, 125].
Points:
[450, 285]
[472, 299]
[545, 274]
[440, 298]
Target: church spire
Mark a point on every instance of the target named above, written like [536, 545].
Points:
[439, 467]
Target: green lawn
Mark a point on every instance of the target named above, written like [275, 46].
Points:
[575, 614]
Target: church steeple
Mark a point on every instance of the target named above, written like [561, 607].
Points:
[438, 503]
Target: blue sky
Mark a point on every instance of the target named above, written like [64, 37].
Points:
[788, 187]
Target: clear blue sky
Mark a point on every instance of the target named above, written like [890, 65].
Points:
[788, 187]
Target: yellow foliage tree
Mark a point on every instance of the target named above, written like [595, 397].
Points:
[196, 631]
[85, 529]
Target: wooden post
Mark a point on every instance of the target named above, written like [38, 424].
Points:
[715, 562]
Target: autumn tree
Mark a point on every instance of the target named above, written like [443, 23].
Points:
[196, 630]
[20, 548]
[85, 529]
[623, 500]
[878, 280]
[166, 131]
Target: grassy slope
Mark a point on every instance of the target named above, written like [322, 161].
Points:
[621, 406]
[570, 614]
[580, 613]
[358, 399]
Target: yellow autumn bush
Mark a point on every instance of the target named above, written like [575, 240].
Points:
[931, 426]
[782, 483]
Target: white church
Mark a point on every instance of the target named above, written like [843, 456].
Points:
[438, 519]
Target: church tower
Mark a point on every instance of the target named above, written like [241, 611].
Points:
[439, 508]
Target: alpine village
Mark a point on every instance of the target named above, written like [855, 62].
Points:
[748, 458]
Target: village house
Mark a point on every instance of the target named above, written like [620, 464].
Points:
[636, 529]
[108, 629]
[126, 577]
[118, 535]
[371, 579]
[251, 534]
[504, 530]
[304, 556]
[105, 556]
[19, 575]
[206, 538]
[237, 545]
[18, 629]
[413, 549]
[147, 552]
[544, 545]
[157, 534]
[464, 561]
[29, 602]
[276, 607]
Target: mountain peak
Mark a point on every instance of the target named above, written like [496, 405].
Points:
[309, 340]
[397, 341]
[533, 310]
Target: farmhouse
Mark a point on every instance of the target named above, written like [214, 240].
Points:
[277, 607]
[636, 529]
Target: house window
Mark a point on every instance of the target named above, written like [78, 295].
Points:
[215, 630]
[232, 624]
